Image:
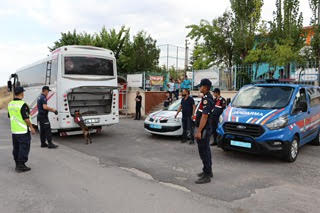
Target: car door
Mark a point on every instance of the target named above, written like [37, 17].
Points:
[301, 114]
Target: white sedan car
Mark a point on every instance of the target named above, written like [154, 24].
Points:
[163, 122]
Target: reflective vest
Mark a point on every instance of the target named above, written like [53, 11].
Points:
[18, 125]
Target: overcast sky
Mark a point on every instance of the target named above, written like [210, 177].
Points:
[29, 27]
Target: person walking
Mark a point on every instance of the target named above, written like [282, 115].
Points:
[188, 108]
[171, 87]
[203, 132]
[186, 83]
[167, 101]
[219, 105]
[138, 105]
[43, 119]
[19, 114]
[177, 89]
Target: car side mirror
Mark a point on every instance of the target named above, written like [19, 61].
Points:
[9, 86]
[304, 106]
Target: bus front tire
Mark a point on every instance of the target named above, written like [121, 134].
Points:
[292, 150]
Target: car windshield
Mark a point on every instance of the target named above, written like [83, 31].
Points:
[175, 105]
[263, 97]
[80, 65]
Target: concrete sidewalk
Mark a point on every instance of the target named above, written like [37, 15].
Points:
[65, 180]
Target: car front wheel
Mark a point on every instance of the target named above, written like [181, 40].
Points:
[292, 150]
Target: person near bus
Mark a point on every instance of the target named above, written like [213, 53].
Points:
[43, 119]
[188, 108]
[138, 106]
[203, 132]
[186, 83]
[167, 101]
[171, 87]
[19, 114]
[219, 105]
[177, 89]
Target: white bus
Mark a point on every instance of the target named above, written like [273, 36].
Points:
[81, 78]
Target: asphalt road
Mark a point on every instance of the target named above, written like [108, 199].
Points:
[128, 170]
[248, 182]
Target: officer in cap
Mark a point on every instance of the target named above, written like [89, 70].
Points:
[43, 120]
[19, 114]
[219, 105]
[203, 132]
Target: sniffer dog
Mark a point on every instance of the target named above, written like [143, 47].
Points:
[79, 120]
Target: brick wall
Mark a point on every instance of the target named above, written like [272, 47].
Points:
[153, 99]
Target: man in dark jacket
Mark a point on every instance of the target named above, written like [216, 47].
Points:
[138, 106]
[219, 106]
[188, 108]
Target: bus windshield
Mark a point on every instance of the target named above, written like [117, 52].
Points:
[80, 65]
[263, 97]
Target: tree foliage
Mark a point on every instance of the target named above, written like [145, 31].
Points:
[138, 55]
[247, 15]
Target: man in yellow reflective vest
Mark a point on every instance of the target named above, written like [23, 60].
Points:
[21, 126]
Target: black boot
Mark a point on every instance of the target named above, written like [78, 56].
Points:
[52, 146]
[21, 167]
[203, 174]
[202, 180]
[44, 145]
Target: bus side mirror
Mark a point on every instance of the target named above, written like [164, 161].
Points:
[9, 86]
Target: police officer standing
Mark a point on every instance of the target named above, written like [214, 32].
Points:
[18, 112]
[219, 105]
[43, 120]
[203, 132]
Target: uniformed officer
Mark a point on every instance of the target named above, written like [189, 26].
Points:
[18, 112]
[203, 132]
[219, 105]
[43, 120]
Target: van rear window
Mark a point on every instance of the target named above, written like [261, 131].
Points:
[263, 97]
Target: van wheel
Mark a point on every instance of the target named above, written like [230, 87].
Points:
[316, 141]
[292, 151]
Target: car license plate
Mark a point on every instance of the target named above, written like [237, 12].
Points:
[155, 126]
[240, 144]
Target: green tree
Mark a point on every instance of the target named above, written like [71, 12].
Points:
[247, 15]
[280, 44]
[140, 55]
[199, 58]
[286, 34]
[216, 42]
[113, 40]
[315, 42]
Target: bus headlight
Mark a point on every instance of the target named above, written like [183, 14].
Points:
[279, 123]
[220, 119]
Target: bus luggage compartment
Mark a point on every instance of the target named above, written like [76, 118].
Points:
[90, 100]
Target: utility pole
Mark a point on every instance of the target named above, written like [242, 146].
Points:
[186, 60]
